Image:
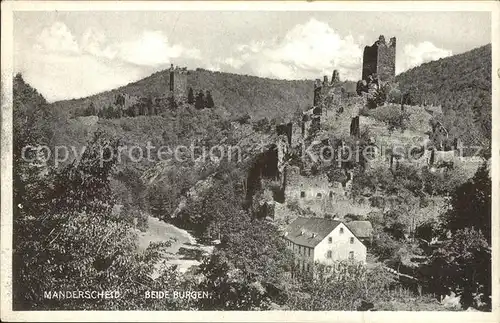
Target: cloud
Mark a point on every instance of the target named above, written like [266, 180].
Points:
[414, 55]
[306, 51]
[233, 62]
[94, 64]
[60, 77]
[57, 38]
[152, 48]
[314, 49]
[94, 42]
[91, 63]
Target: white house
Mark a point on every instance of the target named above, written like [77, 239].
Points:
[324, 241]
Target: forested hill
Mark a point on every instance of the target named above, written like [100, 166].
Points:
[234, 93]
[461, 84]
[260, 97]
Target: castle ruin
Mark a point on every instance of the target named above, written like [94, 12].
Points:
[379, 60]
[177, 81]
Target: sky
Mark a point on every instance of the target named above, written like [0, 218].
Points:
[68, 55]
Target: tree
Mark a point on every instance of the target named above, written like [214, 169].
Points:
[109, 112]
[71, 241]
[65, 236]
[209, 101]
[92, 111]
[392, 116]
[344, 286]
[463, 265]
[171, 102]
[190, 96]
[471, 205]
[200, 101]
[251, 262]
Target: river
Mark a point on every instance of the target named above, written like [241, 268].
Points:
[184, 251]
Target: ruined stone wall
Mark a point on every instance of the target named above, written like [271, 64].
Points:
[370, 58]
[296, 135]
[386, 61]
[285, 129]
[341, 112]
[317, 92]
[282, 146]
[380, 59]
[312, 193]
[125, 101]
[311, 122]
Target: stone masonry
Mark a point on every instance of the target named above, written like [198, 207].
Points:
[178, 82]
[380, 60]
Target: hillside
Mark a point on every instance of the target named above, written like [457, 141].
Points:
[259, 97]
[236, 94]
[461, 84]
[226, 199]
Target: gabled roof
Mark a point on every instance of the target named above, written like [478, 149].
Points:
[361, 229]
[310, 232]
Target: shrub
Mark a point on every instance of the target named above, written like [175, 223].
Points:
[392, 116]
[245, 119]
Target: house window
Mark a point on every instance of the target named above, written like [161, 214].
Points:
[330, 239]
[318, 195]
[352, 240]
[310, 252]
[300, 249]
[329, 254]
[341, 230]
[351, 255]
[302, 194]
[331, 194]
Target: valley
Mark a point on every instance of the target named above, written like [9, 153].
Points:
[339, 196]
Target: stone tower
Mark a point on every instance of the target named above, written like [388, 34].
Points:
[380, 60]
[177, 82]
[317, 92]
[335, 77]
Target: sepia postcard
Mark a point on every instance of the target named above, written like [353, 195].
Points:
[250, 161]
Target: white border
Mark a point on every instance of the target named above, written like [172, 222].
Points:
[232, 316]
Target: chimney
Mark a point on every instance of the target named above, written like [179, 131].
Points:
[313, 235]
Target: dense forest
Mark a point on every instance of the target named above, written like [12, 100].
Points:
[461, 84]
[235, 95]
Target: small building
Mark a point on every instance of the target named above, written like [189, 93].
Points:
[322, 241]
[363, 230]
